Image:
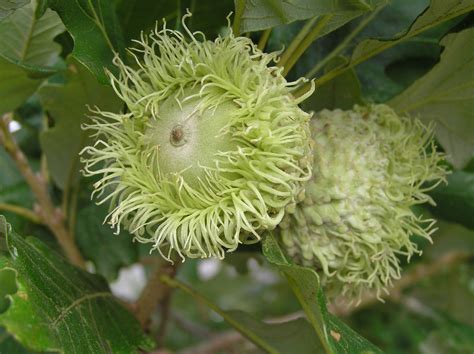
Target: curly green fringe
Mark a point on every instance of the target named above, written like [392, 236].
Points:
[246, 190]
[370, 168]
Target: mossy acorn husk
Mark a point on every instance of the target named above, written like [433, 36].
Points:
[213, 148]
[371, 167]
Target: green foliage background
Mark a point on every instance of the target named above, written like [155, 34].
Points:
[415, 55]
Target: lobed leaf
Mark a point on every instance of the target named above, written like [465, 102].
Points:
[27, 53]
[67, 309]
[438, 12]
[28, 40]
[390, 72]
[445, 95]
[94, 27]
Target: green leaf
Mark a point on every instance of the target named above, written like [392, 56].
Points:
[263, 14]
[438, 12]
[28, 40]
[334, 336]
[62, 143]
[343, 92]
[209, 16]
[9, 345]
[95, 30]
[389, 73]
[7, 7]
[27, 52]
[20, 310]
[340, 18]
[293, 336]
[15, 85]
[455, 201]
[98, 243]
[446, 96]
[65, 308]
[135, 16]
[8, 287]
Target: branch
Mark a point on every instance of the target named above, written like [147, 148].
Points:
[156, 292]
[410, 278]
[26, 213]
[46, 211]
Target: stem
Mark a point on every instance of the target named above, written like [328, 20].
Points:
[296, 41]
[239, 11]
[156, 292]
[309, 39]
[264, 39]
[413, 276]
[336, 51]
[26, 213]
[47, 212]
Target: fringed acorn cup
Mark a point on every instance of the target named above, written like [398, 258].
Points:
[212, 150]
[370, 168]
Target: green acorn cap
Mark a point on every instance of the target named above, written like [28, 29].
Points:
[370, 168]
[212, 149]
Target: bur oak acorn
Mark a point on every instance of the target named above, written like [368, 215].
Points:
[371, 167]
[212, 150]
